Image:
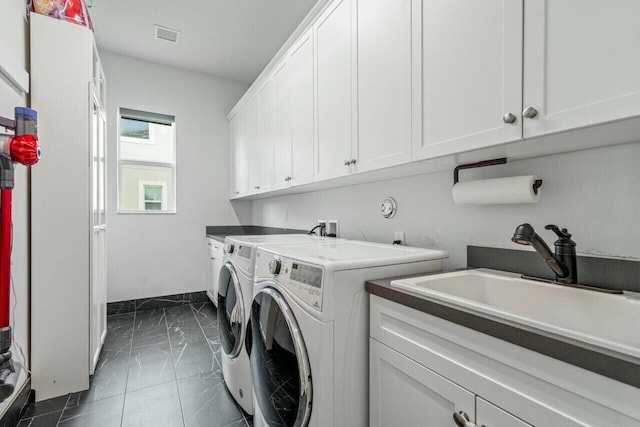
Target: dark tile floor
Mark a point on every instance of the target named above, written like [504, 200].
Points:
[158, 367]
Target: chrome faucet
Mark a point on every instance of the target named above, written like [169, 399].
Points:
[563, 263]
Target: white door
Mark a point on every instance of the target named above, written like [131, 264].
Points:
[281, 127]
[384, 83]
[581, 63]
[300, 76]
[491, 416]
[335, 57]
[98, 284]
[251, 128]
[239, 155]
[265, 140]
[405, 393]
[471, 75]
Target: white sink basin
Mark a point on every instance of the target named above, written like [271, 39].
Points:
[605, 320]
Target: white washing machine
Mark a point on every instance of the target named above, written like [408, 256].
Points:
[310, 328]
[235, 293]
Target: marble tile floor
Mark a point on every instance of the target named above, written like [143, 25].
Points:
[158, 367]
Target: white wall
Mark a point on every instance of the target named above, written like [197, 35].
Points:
[154, 255]
[594, 193]
[13, 38]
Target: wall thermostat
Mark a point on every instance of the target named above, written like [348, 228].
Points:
[388, 207]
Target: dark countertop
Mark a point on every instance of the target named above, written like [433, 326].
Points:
[617, 366]
[219, 232]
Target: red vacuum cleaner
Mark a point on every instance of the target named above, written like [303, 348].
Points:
[22, 147]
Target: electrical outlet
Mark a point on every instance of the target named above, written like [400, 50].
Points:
[331, 227]
[398, 236]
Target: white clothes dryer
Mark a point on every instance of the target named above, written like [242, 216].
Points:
[235, 293]
[309, 343]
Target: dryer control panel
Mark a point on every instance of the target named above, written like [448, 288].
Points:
[304, 280]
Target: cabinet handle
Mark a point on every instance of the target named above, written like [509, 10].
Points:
[257, 187]
[530, 113]
[347, 162]
[462, 419]
[237, 192]
[353, 161]
[509, 118]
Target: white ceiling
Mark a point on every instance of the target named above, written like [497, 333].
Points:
[233, 39]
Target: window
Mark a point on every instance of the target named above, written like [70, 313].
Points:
[153, 196]
[146, 150]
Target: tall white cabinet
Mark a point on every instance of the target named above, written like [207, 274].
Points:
[68, 208]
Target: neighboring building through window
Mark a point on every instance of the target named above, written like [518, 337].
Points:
[147, 149]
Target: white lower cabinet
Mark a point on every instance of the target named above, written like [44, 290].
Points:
[405, 393]
[424, 369]
[214, 265]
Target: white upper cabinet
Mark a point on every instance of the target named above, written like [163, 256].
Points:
[281, 126]
[265, 138]
[239, 156]
[471, 75]
[251, 130]
[335, 57]
[302, 101]
[384, 83]
[582, 63]
[371, 84]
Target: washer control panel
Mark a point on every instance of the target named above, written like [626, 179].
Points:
[304, 280]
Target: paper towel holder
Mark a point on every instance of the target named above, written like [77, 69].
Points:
[501, 161]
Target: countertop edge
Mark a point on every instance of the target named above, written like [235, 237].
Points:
[619, 369]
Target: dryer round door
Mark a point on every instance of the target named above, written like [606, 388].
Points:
[279, 362]
[231, 314]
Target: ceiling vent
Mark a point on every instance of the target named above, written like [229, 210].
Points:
[167, 34]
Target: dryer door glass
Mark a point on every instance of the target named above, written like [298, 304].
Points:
[279, 362]
[231, 318]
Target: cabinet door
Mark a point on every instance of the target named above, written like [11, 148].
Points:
[239, 156]
[384, 83]
[471, 75]
[301, 73]
[265, 140]
[251, 126]
[581, 63]
[334, 51]
[281, 127]
[98, 284]
[405, 393]
[489, 415]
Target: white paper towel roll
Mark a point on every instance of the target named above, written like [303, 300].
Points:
[499, 191]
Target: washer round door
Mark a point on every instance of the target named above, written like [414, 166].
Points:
[231, 316]
[279, 362]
